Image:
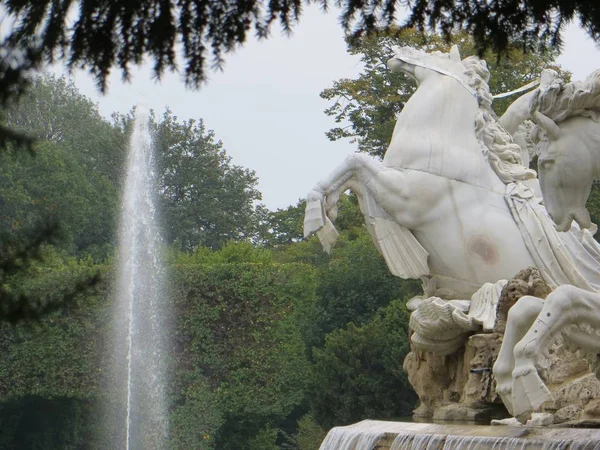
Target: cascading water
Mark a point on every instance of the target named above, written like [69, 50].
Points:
[139, 358]
[379, 435]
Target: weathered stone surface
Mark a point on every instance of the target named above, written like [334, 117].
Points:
[460, 386]
[481, 352]
[527, 282]
[461, 412]
[592, 409]
[570, 412]
[581, 423]
[577, 392]
[561, 365]
[434, 379]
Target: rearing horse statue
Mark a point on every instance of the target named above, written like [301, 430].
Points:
[448, 205]
[436, 192]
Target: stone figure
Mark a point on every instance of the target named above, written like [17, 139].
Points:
[568, 144]
[452, 204]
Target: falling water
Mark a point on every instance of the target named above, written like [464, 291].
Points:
[140, 360]
[373, 434]
[363, 435]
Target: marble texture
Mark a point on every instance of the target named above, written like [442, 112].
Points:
[453, 204]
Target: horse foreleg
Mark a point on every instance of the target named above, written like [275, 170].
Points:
[321, 210]
[565, 306]
[520, 318]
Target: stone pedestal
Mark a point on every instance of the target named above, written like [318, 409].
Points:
[458, 387]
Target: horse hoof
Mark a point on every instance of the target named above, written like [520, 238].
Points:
[529, 393]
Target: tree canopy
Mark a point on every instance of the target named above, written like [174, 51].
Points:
[102, 34]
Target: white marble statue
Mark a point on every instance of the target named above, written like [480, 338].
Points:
[450, 204]
[567, 135]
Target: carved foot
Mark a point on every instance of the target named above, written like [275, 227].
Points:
[313, 216]
[503, 375]
[315, 220]
[506, 396]
[529, 393]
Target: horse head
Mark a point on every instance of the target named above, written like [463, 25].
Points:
[419, 65]
[566, 169]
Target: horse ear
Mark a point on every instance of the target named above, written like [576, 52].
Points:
[454, 53]
[548, 125]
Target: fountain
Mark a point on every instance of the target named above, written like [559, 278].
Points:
[454, 204]
[140, 419]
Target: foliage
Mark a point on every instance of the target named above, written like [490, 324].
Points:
[370, 104]
[53, 110]
[17, 64]
[51, 196]
[52, 187]
[41, 423]
[310, 434]
[60, 355]
[237, 327]
[354, 285]
[105, 34]
[197, 419]
[21, 266]
[266, 439]
[358, 374]
[498, 24]
[206, 199]
[284, 226]
[50, 369]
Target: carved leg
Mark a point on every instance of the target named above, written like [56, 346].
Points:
[354, 173]
[520, 318]
[565, 306]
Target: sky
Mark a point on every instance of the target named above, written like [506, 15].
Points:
[265, 104]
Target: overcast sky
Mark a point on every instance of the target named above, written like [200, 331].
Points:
[265, 105]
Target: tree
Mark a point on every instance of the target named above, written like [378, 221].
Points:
[54, 110]
[73, 179]
[105, 34]
[50, 367]
[284, 226]
[237, 335]
[53, 188]
[372, 102]
[206, 199]
[359, 374]
[354, 285]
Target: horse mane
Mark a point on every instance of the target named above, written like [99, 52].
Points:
[560, 100]
[502, 152]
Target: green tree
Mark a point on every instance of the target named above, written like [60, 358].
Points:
[353, 286]
[54, 110]
[369, 104]
[51, 368]
[63, 193]
[359, 374]
[53, 187]
[284, 226]
[73, 179]
[207, 200]
[310, 434]
[237, 328]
